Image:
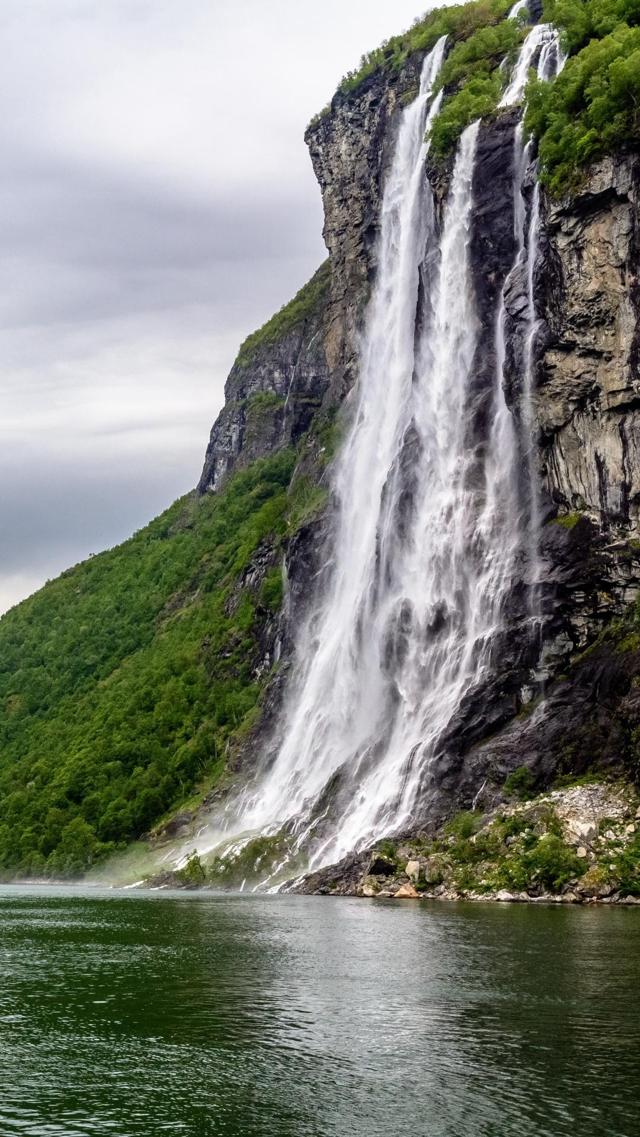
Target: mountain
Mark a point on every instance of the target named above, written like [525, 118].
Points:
[386, 598]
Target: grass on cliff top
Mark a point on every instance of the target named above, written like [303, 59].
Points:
[593, 107]
[304, 304]
[123, 682]
[473, 77]
[459, 21]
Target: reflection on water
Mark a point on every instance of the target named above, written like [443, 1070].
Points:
[141, 1015]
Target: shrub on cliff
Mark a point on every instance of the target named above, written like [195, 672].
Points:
[478, 98]
[459, 22]
[591, 109]
[584, 20]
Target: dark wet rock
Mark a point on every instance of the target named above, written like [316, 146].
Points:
[380, 865]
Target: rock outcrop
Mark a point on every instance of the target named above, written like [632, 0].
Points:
[588, 398]
[273, 391]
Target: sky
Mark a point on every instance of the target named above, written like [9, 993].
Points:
[157, 204]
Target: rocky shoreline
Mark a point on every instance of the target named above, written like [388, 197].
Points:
[579, 845]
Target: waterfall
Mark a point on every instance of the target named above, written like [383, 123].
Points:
[428, 532]
[544, 41]
[423, 555]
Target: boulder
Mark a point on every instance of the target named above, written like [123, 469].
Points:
[582, 832]
[433, 870]
[407, 892]
[413, 870]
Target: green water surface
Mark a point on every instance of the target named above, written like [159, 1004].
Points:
[138, 1015]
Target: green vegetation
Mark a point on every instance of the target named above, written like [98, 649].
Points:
[567, 520]
[593, 107]
[477, 99]
[463, 825]
[272, 590]
[471, 76]
[521, 851]
[584, 20]
[307, 500]
[123, 682]
[264, 401]
[473, 80]
[193, 874]
[546, 862]
[520, 782]
[482, 53]
[304, 304]
[459, 21]
[255, 861]
[590, 110]
[626, 867]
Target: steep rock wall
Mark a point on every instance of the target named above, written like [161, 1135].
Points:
[274, 389]
[588, 400]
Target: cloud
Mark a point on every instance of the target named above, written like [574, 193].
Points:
[157, 204]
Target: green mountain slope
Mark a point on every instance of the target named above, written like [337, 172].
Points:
[122, 682]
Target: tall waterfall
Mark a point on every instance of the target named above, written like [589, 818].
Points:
[425, 541]
[542, 42]
[428, 532]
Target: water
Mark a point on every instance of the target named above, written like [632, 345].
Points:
[311, 1017]
[541, 40]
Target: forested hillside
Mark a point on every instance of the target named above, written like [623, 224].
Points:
[123, 682]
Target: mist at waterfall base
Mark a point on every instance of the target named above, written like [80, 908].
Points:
[431, 533]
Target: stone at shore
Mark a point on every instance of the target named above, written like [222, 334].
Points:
[413, 871]
[406, 892]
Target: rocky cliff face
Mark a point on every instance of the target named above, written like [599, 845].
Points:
[587, 408]
[273, 391]
[589, 384]
[276, 386]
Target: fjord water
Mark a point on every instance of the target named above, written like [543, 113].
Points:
[146, 1014]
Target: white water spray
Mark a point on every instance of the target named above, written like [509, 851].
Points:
[541, 41]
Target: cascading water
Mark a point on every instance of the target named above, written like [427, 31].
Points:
[540, 38]
[542, 41]
[428, 531]
[423, 555]
[422, 560]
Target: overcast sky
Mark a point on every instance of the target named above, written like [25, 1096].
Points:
[158, 203]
